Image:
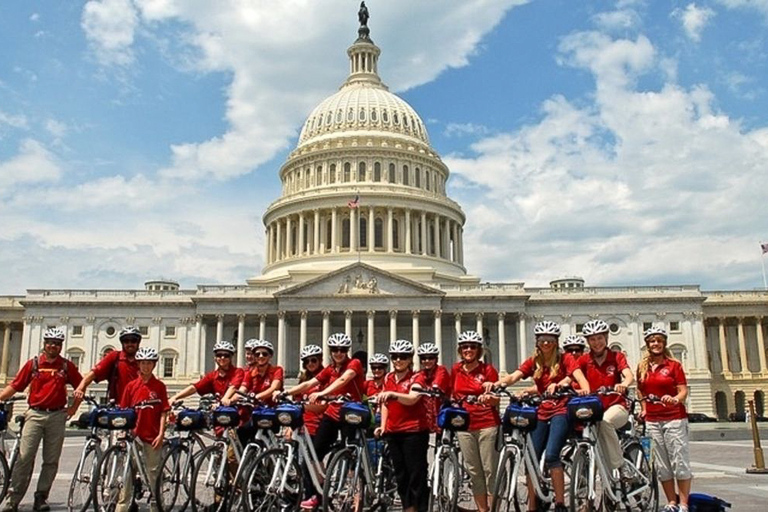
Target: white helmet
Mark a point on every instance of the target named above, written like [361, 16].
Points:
[249, 344]
[470, 337]
[655, 330]
[309, 351]
[224, 346]
[401, 347]
[546, 327]
[574, 340]
[129, 331]
[264, 344]
[595, 327]
[54, 333]
[147, 354]
[378, 359]
[428, 349]
[339, 339]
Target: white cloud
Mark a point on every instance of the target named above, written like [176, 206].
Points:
[14, 121]
[34, 17]
[56, 128]
[109, 26]
[694, 19]
[758, 5]
[464, 129]
[33, 163]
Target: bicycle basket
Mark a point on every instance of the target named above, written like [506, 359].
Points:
[225, 416]
[290, 415]
[698, 502]
[585, 409]
[519, 417]
[356, 414]
[265, 418]
[453, 418]
[116, 419]
[87, 419]
[188, 419]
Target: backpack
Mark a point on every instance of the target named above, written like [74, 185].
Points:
[36, 367]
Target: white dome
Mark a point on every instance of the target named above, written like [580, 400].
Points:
[366, 107]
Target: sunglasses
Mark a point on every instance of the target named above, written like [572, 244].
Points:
[400, 357]
[261, 354]
[225, 355]
[546, 342]
[468, 347]
[54, 342]
[574, 350]
[428, 358]
[336, 350]
[311, 360]
[377, 368]
[130, 340]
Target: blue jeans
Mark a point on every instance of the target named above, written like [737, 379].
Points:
[552, 433]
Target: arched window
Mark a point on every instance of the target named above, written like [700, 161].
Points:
[361, 171]
[427, 179]
[377, 171]
[378, 233]
[332, 174]
[77, 357]
[363, 232]
[417, 177]
[392, 174]
[106, 350]
[168, 359]
[347, 172]
[328, 233]
[319, 175]
[294, 240]
[345, 233]
[680, 353]
[395, 234]
[406, 175]
[307, 178]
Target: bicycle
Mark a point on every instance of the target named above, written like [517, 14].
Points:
[593, 484]
[182, 448]
[351, 482]
[81, 486]
[121, 461]
[8, 461]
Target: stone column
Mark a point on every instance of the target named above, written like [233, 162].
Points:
[456, 325]
[268, 245]
[436, 236]
[281, 339]
[742, 347]
[502, 344]
[348, 323]
[219, 328]
[439, 334]
[353, 230]
[415, 336]
[199, 344]
[390, 239]
[371, 231]
[316, 233]
[303, 330]
[726, 369]
[262, 326]
[326, 334]
[455, 253]
[407, 231]
[334, 231]
[6, 352]
[240, 340]
[423, 233]
[446, 252]
[288, 238]
[461, 245]
[279, 245]
[522, 338]
[392, 325]
[300, 251]
[760, 345]
[479, 323]
[370, 345]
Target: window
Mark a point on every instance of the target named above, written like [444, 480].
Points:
[374, 115]
[106, 350]
[406, 177]
[674, 326]
[319, 176]
[76, 356]
[417, 178]
[332, 174]
[168, 364]
[361, 115]
[392, 174]
[361, 171]
[363, 228]
[345, 233]
[427, 177]
[110, 330]
[614, 328]
[377, 171]
[395, 234]
[144, 330]
[350, 115]
[347, 172]
[77, 330]
[339, 116]
[647, 325]
[378, 233]
[170, 331]
[579, 328]
[385, 116]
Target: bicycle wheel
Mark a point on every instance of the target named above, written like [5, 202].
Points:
[112, 470]
[387, 482]
[642, 492]
[344, 488]
[81, 487]
[264, 490]
[172, 482]
[579, 491]
[210, 480]
[444, 491]
[5, 477]
[504, 488]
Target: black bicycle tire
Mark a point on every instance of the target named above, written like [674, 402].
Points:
[91, 447]
[451, 504]
[348, 453]
[193, 498]
[105, 457]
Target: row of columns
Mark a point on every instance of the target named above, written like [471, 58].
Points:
[722, 342]
[5, 361]
[280, 233]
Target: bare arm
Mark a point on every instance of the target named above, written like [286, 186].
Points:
[87, 379]
[187, 391]
[339, 383]
[511, 378]
[581, 379]
[7, 392]
[300, 388]
[267, 393]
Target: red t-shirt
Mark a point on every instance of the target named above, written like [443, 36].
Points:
[354, 387]
[312, 418]
[663, 380]
[119, 376]
[401, 417]
[607, 374]
[213, 382]
[465, 384]
[256, 383]
[548, 408]
[148, 419]
[570, 362]
[440, 379]
[372, 388]
[47, 389]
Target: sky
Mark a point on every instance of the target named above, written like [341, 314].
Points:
[623, 142]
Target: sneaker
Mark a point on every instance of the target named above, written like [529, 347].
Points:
[311, 503]
[670, 507]
[41, 504]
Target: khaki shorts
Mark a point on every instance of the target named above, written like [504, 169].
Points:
[670, 449]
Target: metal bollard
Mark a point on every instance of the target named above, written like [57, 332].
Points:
[759, 466]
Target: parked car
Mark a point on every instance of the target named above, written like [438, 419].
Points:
[737, 416]
[697, 417]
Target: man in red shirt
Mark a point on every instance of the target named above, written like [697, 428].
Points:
[435, 376]
[47, 376]
[118, 367]
[605, 368]
[150, 421]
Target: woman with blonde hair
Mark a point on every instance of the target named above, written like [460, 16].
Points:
[666, 420]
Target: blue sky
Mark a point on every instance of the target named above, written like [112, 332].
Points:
[625, 142]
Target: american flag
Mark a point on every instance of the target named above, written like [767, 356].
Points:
[764, 247]
[356, 202]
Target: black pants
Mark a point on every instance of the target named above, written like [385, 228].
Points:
[409, 459]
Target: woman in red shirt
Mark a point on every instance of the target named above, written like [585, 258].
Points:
[312, 362]
[436, 376]
[478, 445]
[660, 374]
[404, 422]
[549, 369]
[379, 364]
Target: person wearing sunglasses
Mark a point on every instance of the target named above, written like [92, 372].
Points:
[478, 445]
[118, 367]
[312, 363]
[219, 380]
[379, 364]
[344, 375]
[435, 376]
[262, 379]
[404, 423]
[550, 370]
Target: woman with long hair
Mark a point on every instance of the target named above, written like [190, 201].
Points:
[661, 375]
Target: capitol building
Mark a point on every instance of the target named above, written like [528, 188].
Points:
[365, 240]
